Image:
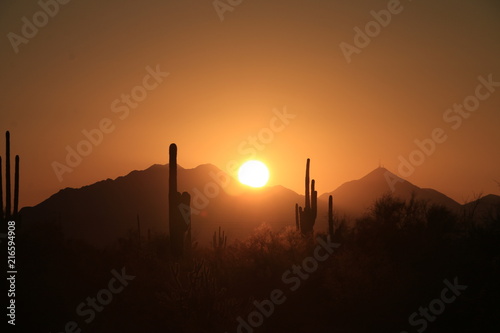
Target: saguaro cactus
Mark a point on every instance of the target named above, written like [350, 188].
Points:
[179, 214]
[7, 176]
[16, 187]
[219, 243]
[306, 217]
[8, 213]
[1, 191]
[330, 217]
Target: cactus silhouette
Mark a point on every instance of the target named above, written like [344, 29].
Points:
[7, 176]
[8, 213]
[219, 243]
[16, 187]
[179, 214]
[1, 192]
[330, 217]
[306, 217]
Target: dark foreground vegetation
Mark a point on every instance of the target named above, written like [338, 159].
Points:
[390, 264]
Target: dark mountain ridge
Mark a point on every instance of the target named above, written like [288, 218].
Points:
[108, 209]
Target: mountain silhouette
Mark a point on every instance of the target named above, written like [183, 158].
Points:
[104, 211]
[355, 197]
[108, 209]
[484, 208]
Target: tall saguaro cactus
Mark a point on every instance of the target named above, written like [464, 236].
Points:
[7, 175]
[179, 213]
[16, 186]
[330, 217]
[306, 217]
[8, 213]
[1, 191]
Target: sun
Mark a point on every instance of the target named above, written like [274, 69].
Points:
[253, 173]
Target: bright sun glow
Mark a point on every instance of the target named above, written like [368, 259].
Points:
[253, 173]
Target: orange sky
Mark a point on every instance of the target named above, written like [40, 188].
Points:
[225, 78]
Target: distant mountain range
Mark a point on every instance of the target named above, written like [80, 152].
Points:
[102, 212]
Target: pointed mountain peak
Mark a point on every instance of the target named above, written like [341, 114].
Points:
[381, 179]
[356, 196]
[381, 172]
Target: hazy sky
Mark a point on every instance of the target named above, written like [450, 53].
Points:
[153, 72]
